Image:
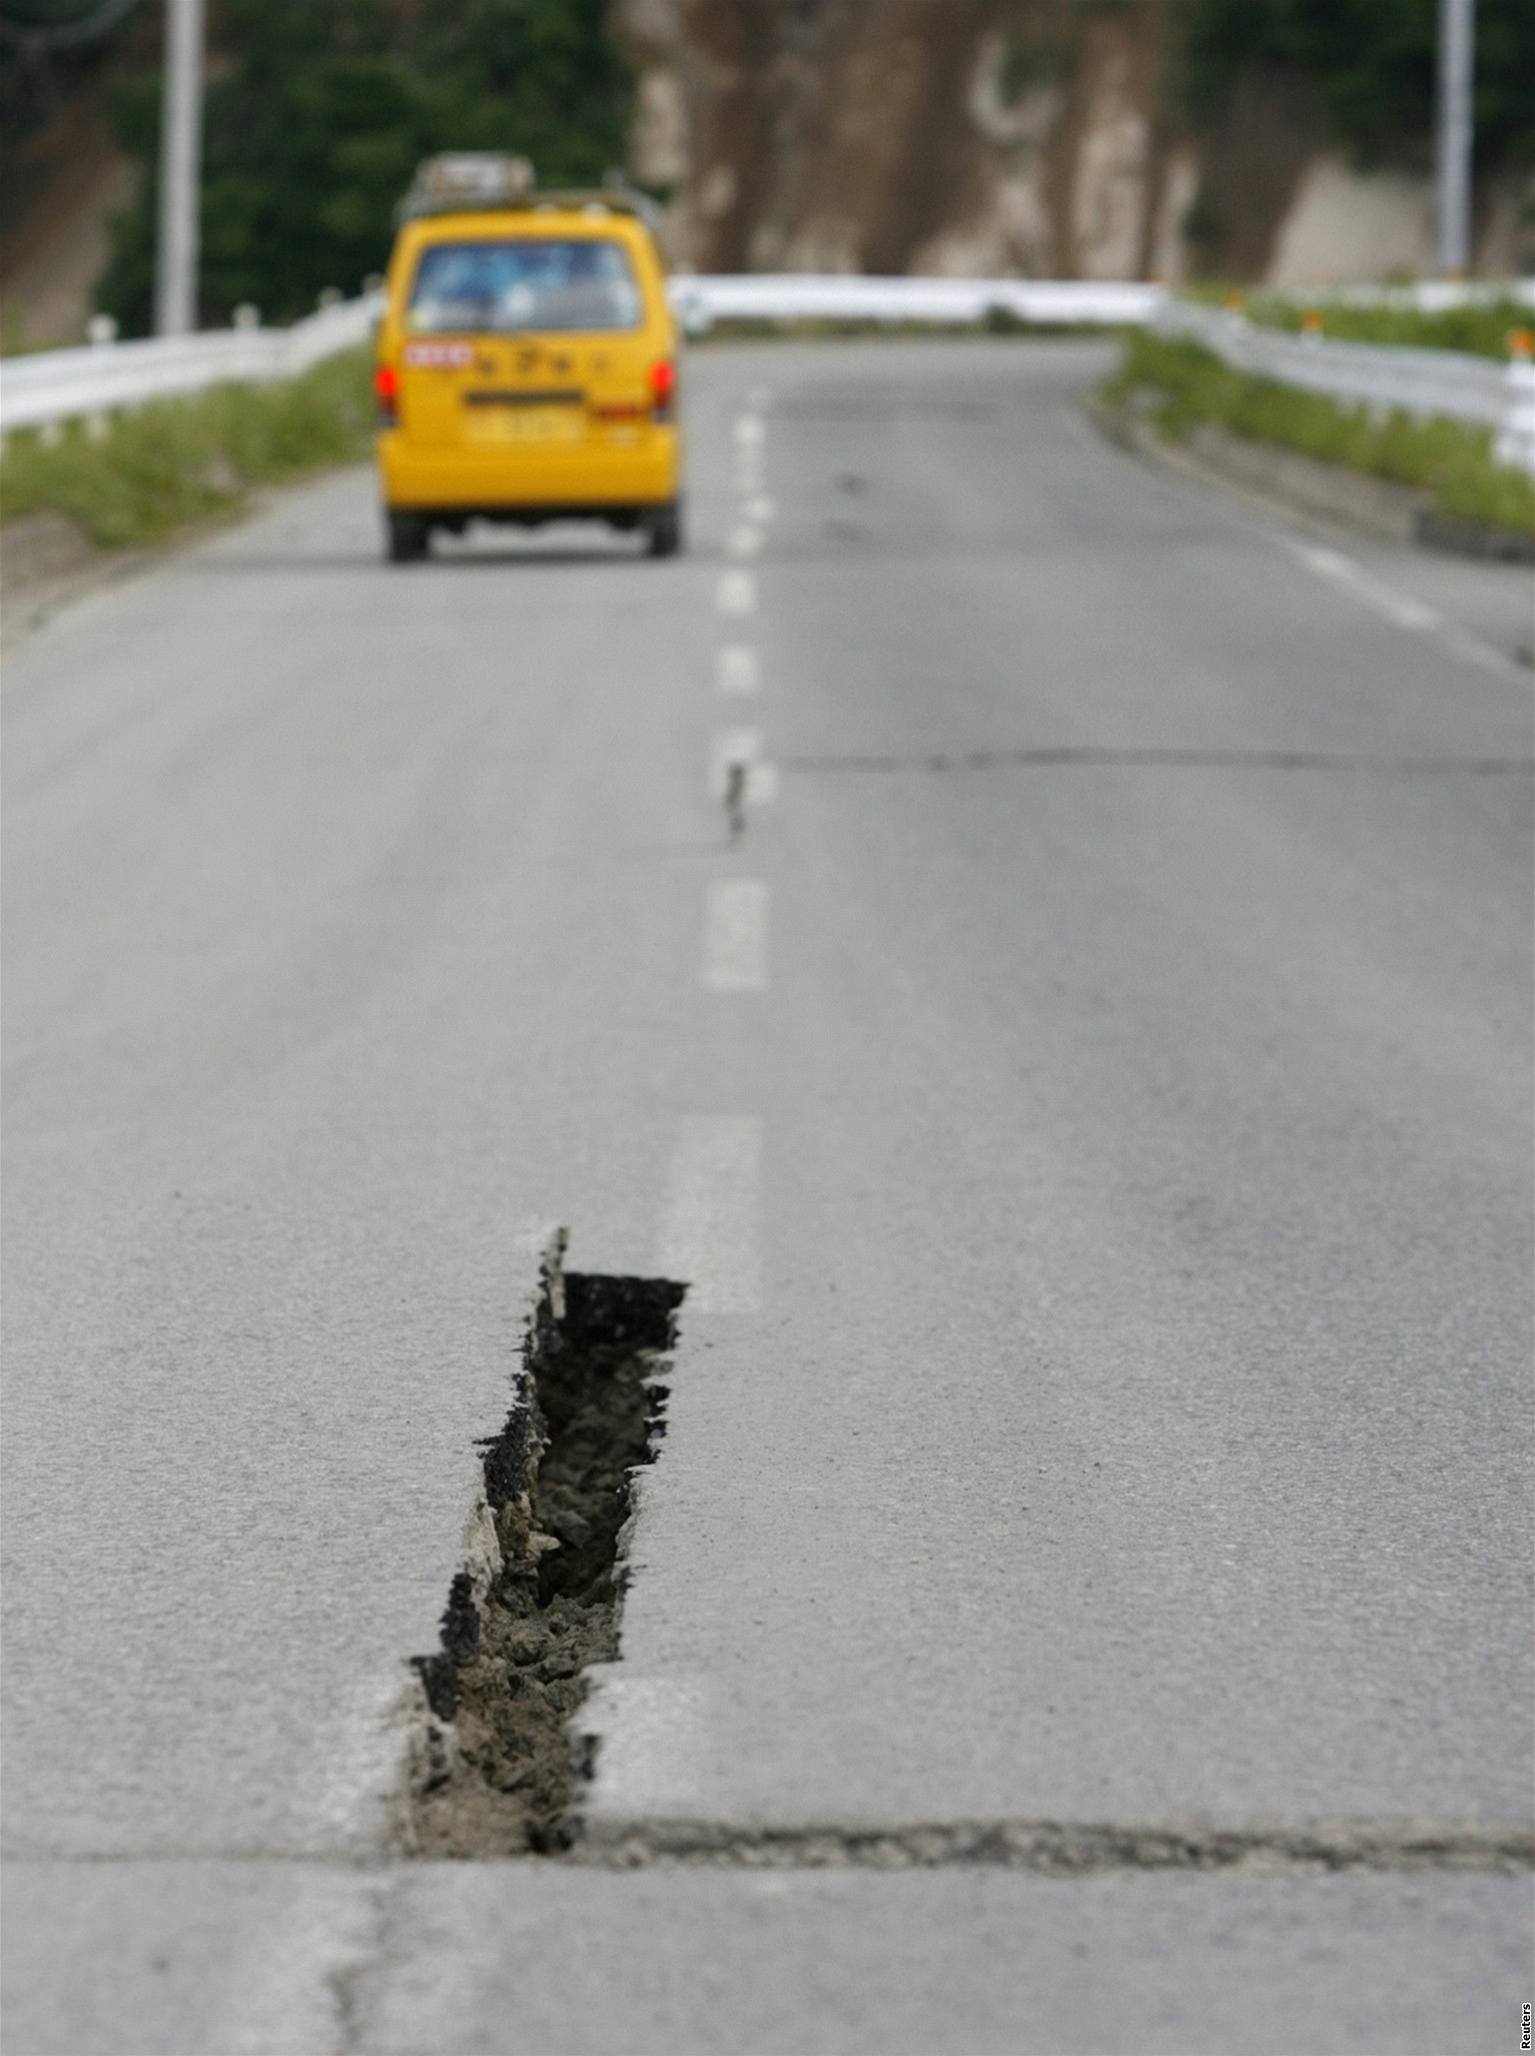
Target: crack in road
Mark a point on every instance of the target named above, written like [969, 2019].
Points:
[1170, 759]
[1060, 1848]
[1051, 1848]
[494, 1768]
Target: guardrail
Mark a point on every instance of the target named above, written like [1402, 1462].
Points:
[61, 385]
[961, 302]
[69, 385]
[1383, 377]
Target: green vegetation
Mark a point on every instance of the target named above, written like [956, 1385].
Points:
[1373, 63]
[317, 115]
[1483, 329]
[842, 328]
[168, 466]
[14, 340]
[1264, 85]
[1453, 461]
[319, 110]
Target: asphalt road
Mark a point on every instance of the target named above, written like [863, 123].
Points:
[1090, 1106]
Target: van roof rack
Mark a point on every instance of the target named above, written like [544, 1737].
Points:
[482, 182]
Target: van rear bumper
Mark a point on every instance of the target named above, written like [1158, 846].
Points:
[530, 485]
[525, 514]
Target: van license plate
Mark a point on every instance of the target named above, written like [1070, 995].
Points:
[524, 424]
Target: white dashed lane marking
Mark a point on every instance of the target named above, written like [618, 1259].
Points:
[709, 1225]
[740, 674]
[749, 434]
[657, 1739]
[744, 541]
[732, 746]
[742, 746]
[735, 936]
[737, 593]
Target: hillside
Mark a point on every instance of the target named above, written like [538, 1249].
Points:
[1286, 141]
[1238, 138]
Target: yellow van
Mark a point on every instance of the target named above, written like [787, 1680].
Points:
[527, 361]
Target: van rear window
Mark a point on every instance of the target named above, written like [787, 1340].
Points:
[509, 285]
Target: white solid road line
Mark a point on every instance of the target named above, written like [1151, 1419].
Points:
[708, 1239]
[739, 674]
[1460, 642]
[1400, 608]
[736, 593]
[1396, 607]
[735, 936]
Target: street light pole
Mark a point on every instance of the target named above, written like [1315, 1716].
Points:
[1456, 26]
[180, 169]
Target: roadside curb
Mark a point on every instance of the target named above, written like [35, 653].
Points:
[1292, 484]
[46, 562]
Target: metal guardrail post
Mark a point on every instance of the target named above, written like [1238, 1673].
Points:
[1515, 440]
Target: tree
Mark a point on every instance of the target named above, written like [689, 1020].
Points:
[1373, 63]
[317, 116]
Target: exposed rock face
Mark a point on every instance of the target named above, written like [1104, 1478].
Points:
[1005, 136]
[55, 238]
[887, 135]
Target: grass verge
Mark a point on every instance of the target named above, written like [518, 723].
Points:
[839, 328]
[1182, 385]
[168, 466]
[1482, 327]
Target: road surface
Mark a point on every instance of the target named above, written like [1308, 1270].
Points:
[1089, 1104]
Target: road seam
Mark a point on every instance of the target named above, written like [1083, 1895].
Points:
[1049, 1847]
[1059, 1848]
[1088, 756]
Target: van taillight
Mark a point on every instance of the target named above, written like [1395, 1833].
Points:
[386, 388]
[663, 388]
